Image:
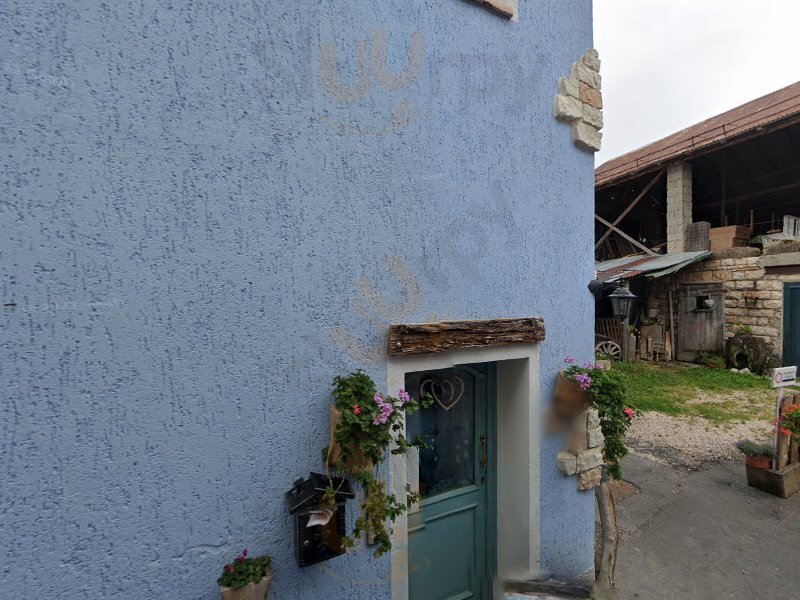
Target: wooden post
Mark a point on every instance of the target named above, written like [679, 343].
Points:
[609, 536]
[794, 445]
[639, 245]
[636, 200]
[782, 457]
[779, 437]
[672, 328]
[723, 186]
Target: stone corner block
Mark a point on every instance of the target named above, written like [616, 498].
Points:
[594, 438]
[590, 479]
[592, 419]
[590, 459]
[567, 108]
[592, 60]
[582, 72]
[593, 116]
[586, 137]
[567, 463]
[577, 442]
[567, 86]
[590, 96]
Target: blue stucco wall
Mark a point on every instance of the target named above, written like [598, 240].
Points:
[191, 232]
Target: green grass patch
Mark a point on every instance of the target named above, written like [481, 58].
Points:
[714, 394]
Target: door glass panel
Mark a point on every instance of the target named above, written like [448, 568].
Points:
[448, 428]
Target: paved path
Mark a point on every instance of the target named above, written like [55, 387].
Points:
[705, 535]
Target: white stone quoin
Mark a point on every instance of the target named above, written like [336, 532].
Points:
[580, 103]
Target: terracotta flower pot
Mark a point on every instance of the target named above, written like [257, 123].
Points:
[569, 399]
[251, 591]
[758, 462]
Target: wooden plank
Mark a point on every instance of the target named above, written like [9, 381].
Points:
[639, 245]
[421, 338]
[631, 206]
[779, 483]
[782, 459]
[794, 448]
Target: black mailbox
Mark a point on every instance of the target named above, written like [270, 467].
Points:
[305, 501]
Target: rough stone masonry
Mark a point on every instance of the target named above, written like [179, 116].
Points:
[584, 453]
[580, 102]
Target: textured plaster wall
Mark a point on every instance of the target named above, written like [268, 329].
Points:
[187, 215]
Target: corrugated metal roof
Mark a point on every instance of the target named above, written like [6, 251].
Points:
[772, 111]
[651, 266]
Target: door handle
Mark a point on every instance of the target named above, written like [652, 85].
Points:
[484, 441]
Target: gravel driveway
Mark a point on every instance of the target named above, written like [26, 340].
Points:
[690, 441]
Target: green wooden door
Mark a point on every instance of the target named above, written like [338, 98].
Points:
[451, 532]
[791, 324]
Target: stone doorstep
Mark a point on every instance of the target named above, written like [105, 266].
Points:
[547, 590]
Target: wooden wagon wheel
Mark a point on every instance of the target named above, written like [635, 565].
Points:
[608, 348]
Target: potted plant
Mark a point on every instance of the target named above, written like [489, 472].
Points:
[756, 454]
[365, 425]
[572, 395]
[246, 578]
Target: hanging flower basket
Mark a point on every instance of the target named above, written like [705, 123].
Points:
[356, 460]
[570, 399]
[365, 424]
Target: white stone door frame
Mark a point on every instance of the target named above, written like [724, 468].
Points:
[519, 432]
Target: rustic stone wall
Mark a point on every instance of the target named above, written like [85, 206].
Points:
[584, 453]
[752, 297]
[580, 102]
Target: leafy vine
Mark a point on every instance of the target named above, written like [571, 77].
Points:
[369, 424]
[611, 402]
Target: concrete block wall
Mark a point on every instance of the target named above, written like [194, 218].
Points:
[679, 205]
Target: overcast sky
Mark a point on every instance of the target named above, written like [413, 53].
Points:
[668, 64]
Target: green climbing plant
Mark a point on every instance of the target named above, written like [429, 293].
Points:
[370, 425]
[611, 401]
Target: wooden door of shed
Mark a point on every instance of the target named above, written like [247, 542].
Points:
[701, 321]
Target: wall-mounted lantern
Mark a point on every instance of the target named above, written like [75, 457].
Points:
[621, 302]
[319, 522]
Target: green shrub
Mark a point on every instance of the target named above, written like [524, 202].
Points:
[244, 570]
[711, 360]
[752, 448]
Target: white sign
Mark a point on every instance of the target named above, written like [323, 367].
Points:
[784, 376]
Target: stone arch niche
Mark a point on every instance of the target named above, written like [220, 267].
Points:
[752, 352]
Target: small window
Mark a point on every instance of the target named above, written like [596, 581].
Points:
[703, 303]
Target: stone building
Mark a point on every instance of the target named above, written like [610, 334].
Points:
[728, 188]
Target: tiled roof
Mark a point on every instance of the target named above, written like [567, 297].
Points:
[772, 111]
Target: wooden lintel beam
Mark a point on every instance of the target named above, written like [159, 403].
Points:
[631, 206]
[636, 243]
[422, 338]
[753, 195]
